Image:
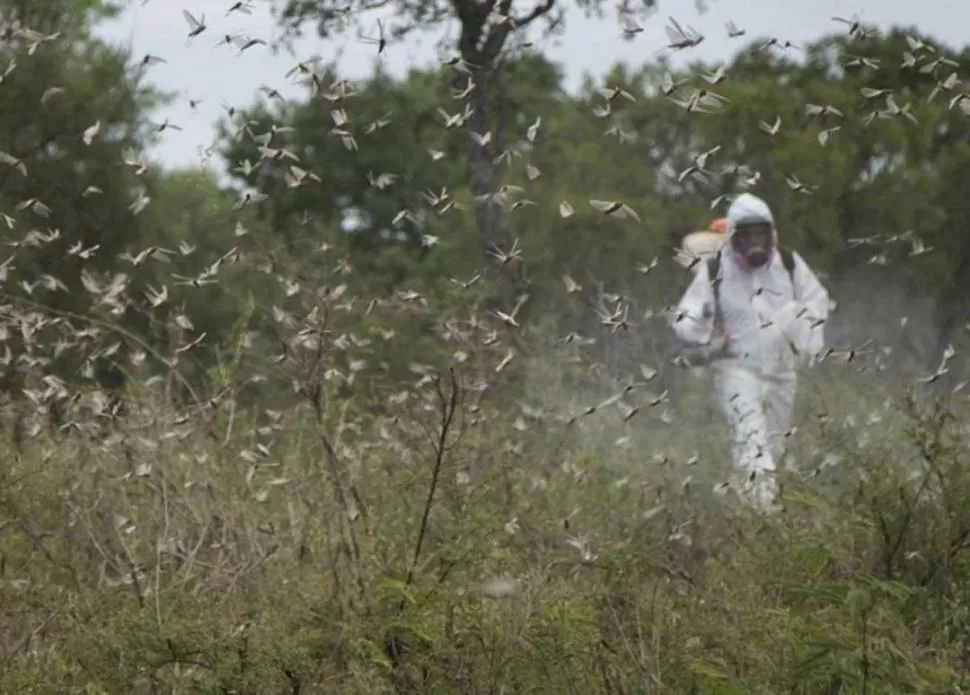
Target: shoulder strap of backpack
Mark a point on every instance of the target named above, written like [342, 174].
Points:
[713, 268]
[788, 260]
[713, 264]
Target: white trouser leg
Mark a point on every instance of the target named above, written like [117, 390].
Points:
[779, 403]
[742, 395]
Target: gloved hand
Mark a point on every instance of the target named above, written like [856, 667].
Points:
[701, 355]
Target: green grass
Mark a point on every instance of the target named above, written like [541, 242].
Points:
[546, 559]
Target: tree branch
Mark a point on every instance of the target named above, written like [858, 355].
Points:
[497, 34]
[448, 408]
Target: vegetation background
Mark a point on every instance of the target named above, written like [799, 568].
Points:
[393, 409]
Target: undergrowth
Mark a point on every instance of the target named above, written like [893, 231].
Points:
[462, 544]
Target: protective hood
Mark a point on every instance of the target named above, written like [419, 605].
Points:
[748, 208]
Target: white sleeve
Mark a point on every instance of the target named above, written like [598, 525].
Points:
[689, 323]
[803, 319]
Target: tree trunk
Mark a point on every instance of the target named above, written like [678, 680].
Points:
[484, 179]
[483, 176]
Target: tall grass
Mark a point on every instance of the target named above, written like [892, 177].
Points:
[460, 543]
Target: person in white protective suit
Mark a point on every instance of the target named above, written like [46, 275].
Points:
[765, 311]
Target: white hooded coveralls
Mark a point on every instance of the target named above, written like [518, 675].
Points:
[774, 323]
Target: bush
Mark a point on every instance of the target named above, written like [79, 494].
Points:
[462, 544]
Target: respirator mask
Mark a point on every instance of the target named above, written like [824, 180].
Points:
[753, 241]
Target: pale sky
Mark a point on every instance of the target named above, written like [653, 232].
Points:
[218, 75]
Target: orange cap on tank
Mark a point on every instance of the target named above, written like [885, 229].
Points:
[719, 226]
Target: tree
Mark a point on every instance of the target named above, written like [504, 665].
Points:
[192, 219]
[360, 186]
[487, 31]
[401, 182]
[71, 115]
[856, 189]
[873, 173]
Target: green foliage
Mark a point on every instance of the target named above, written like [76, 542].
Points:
[66, 198]
[332, 466]
[520, 581]
[875, 177]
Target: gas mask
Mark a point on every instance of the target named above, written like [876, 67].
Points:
[753, 242]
